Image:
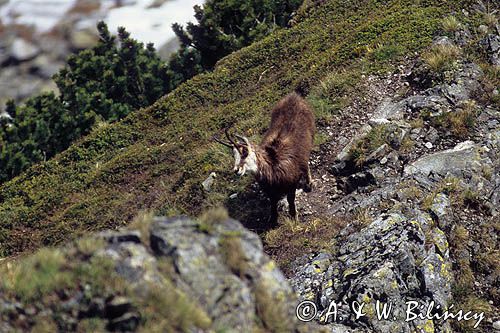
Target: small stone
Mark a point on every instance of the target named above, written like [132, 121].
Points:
[233, 196]
[496, 325]
[432, 135]
[483, 29]
[383, 160]
[428, 145]
[416, 130]
[207, 183]
[22, 50]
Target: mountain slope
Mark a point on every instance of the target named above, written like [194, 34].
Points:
[157, 157]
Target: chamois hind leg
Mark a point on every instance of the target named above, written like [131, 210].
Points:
[291, 204]
[309, 182]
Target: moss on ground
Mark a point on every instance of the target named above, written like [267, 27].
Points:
[157, 157]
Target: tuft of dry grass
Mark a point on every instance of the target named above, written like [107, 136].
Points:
[211, 217]
[377, 136]
[293, 238]
[462, 121]
[233, 254]
[417, 123]
[362, 218]
[142, 223]
[490, 82]
[441, 58]
[451, 24]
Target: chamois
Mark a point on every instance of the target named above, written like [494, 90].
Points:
[281, 160]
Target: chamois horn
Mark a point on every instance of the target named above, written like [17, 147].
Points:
[229, 144]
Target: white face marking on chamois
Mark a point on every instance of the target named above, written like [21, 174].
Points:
[237, 159]
[245, 159]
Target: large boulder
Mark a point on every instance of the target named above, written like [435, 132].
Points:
[389, 262]
[451, 161]
[175, 274]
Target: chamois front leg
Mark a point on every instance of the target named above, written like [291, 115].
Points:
[273, 219]
[291, 203]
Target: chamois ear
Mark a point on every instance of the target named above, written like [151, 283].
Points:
[243, 138]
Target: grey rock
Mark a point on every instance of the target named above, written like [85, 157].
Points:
[199, 261]
[207, 183]
[219, 266]
[133, 262]
[465, 81]
[462, 37]
[496, 325]
[436, 104]
[452, 161]
[442, 40]
[386, 258]
[432, 135]
[437, 279]
[483, 29]
[441, 209]
[378, 153]
[388, 110]
[397, 131]
[491, 44]
[22, 50]
[344, 154]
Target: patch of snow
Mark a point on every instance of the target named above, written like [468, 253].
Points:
[42, 14]
[145, 23]
[152, 24]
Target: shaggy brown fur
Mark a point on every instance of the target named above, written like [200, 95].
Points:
[283, 154]
[281, 160]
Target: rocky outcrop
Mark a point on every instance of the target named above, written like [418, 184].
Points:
[416, 177]
[213, 269]
[388, 263]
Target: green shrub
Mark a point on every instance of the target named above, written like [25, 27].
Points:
[225, 26]
[103, 83]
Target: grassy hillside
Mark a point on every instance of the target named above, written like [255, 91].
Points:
[157, 157]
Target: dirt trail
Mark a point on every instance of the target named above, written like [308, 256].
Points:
[340, 131]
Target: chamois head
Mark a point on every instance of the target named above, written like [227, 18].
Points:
[245, 158]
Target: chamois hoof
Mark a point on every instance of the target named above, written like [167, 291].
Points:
[308, 187]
